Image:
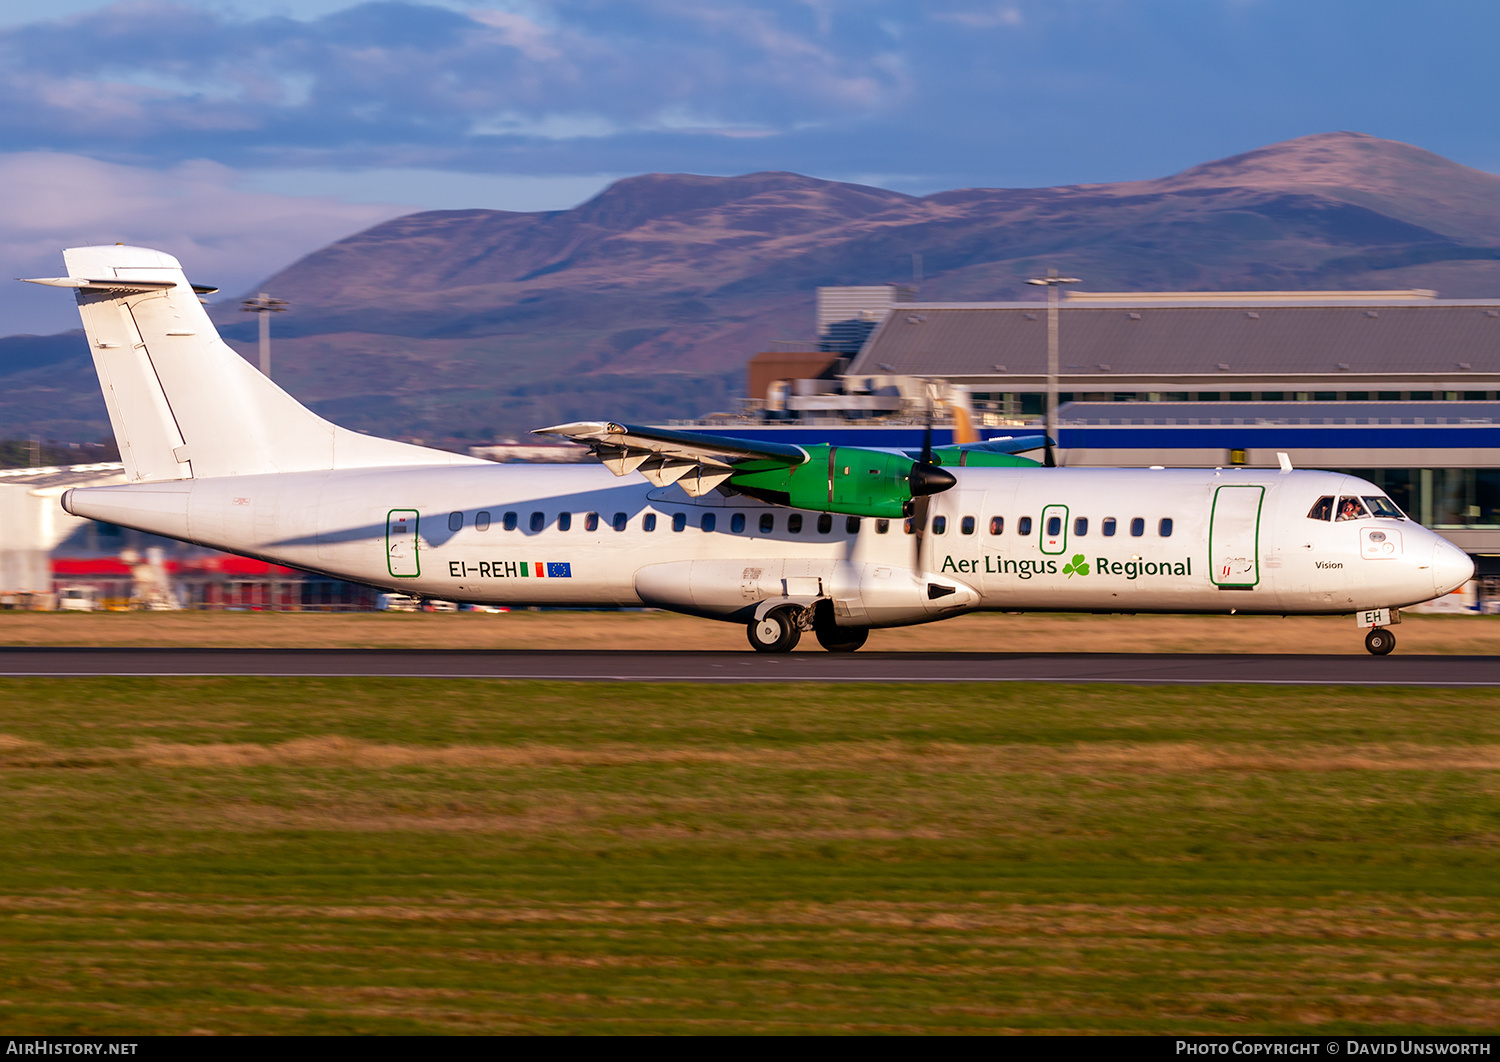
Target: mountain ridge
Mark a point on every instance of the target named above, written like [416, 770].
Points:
[645, 301]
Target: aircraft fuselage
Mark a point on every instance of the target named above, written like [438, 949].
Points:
[1116, 540]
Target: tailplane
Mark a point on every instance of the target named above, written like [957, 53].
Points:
[181, 402]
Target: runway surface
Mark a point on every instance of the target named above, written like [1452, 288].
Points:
[571, 665]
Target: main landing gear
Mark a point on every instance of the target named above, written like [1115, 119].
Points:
[780, 630]
[1380, 641]
[837, 639]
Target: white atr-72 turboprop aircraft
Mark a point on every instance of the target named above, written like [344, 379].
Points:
[779, 538]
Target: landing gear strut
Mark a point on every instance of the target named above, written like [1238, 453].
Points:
[1380, 641]
[777, 632]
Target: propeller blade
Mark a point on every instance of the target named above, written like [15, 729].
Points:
[925, 480]
[918, 518]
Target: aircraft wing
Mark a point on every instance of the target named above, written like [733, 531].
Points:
[696, 460]
[1007, 444]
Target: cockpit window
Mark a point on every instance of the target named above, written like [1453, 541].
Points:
[1322, 509]
[1383, 506]
[1352, 509]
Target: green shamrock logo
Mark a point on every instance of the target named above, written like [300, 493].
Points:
[1079, 566]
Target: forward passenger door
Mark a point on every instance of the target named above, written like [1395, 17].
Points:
[1234, 537]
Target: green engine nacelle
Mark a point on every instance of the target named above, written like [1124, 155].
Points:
[835, 479]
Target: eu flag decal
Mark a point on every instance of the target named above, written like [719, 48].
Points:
[559, 570]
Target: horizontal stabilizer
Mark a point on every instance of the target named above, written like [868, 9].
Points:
[114, 287]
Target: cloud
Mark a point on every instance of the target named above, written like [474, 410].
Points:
[963, 92]
[380, 82]
[224, 234]
[992, 17]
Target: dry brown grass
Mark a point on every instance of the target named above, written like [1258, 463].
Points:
[642, 631]
[938, 757]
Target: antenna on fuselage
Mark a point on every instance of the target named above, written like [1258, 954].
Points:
[1284, 461]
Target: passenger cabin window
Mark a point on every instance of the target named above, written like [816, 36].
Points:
[620, 521]
[997, 525]
[565, 521]
[591, 522]
[481, 520]
[508, 521]
[1383, 506]
[737, 523]
[825, 524]
[794, 524]
[679, 521]
[1352, 509]
[1164, 528]
[908, 527]
[648, 522]
[1081, 525]
[882, 526]
[966, 526]
[1054, 525]
[538, 521]
[708, 521]
[851, 525]
[1137, 527]
[1322, 509]
[1023, 526]
[939, 525]
[455, 521]
[1108, 527]
[767, 523]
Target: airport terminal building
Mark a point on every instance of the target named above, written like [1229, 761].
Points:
[1400, 387]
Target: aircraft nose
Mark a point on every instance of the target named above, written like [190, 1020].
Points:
[1451, 567]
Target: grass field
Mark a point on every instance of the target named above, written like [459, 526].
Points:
[989, 632]
[284, 855]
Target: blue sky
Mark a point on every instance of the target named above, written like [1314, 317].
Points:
[243, 134]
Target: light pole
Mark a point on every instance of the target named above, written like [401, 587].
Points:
[1051, 282]
[263, 305]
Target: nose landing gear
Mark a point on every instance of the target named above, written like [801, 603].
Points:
[1380, 641]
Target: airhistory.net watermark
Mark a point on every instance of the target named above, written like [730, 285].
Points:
[66, 1047]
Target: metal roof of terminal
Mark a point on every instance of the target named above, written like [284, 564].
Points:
[1331, 414]
[996, 340]
[59, 475]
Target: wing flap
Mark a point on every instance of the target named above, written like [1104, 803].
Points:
[699, 461]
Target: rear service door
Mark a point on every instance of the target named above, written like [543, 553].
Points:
[1234, 537]
[401, 543]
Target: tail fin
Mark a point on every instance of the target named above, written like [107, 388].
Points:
[181, 402]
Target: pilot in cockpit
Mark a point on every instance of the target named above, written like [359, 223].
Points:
[1351, 509]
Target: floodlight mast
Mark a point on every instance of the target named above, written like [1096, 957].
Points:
[263, 306]
[1051, 282]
